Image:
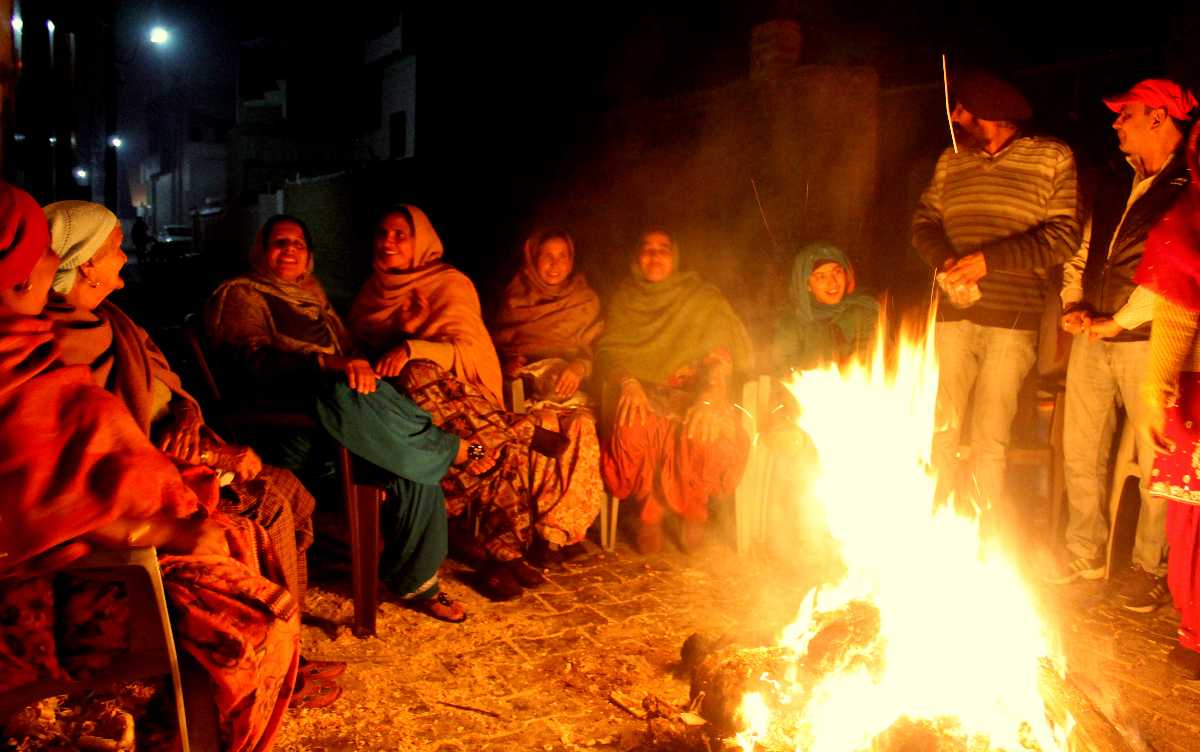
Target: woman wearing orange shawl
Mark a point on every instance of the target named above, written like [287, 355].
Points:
[78, 473]
[417, 306]
[421, 318]
[670, 346]
[548, 319]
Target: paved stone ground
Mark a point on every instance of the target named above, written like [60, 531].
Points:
[537, 672]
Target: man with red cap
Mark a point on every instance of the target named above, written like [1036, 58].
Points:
[999, 212]
[1110, 316]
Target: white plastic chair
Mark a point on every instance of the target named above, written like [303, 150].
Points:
[152, 646]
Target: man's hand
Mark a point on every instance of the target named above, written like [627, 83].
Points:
[392, 363]
[570, 379]
[1076, 321]
[967, 270]
[1103, 329]
[633, 407]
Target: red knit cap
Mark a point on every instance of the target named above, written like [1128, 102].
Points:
[24, 236]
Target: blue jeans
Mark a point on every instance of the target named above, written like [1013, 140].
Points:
[991, 362]
[1102, 376]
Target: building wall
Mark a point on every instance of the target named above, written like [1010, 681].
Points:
[399, 94]
[807, 138]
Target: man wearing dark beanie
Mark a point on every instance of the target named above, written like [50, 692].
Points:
[1110, 317]
[999, 212]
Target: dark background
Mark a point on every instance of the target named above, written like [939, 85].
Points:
[516, 105]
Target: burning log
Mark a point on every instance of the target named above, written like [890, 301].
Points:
[727, 675]
[843, 638]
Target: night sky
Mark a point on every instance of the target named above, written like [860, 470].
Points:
[506, 62]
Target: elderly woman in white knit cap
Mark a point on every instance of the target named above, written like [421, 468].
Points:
[94, 332]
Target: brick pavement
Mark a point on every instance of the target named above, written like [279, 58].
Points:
[535, 674]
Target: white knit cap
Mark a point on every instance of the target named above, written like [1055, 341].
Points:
[77, 230]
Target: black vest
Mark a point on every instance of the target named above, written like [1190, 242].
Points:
[1108, 277]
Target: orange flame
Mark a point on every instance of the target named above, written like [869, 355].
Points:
[960, 641]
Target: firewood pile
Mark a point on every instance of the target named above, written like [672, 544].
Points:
[724, 668]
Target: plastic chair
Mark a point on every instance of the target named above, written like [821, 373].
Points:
[1125, 466]
[362, 500]
[751, 497]
[152, 646]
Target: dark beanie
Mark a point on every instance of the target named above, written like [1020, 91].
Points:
[990, 97]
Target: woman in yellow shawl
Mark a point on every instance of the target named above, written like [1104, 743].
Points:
[670, 345]
[544, 329]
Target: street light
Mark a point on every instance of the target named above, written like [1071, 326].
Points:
[158, 36]
[81, 173]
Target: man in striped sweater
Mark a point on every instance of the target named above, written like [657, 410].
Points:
[997, 215]
[1110, 317]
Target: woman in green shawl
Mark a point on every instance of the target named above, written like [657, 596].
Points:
[671, 344]
[827, 322]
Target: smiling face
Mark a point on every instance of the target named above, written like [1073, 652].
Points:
[553, 261]
[101, 275]
[395, 243]
[287, 251]
[655, 259]
[827, 283]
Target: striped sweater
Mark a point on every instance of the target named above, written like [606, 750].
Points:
[1018, 207]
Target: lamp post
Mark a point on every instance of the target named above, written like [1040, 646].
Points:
[158, 36]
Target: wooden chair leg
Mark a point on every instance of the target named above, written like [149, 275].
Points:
[366, 559]
[362, 512]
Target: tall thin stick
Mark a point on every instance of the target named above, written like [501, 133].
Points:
[946, 91]
[763, 214]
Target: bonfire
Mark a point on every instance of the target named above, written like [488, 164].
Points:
[931, 640]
